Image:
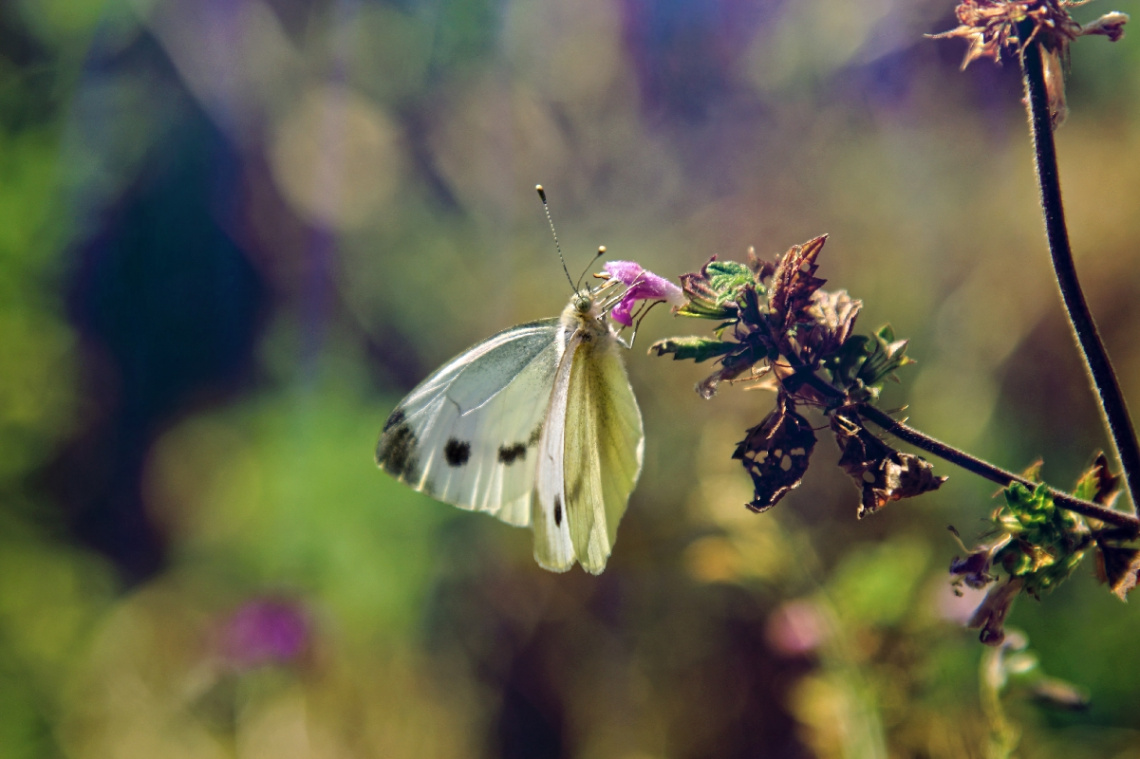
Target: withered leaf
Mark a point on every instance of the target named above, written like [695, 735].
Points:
[1098, 484]
[882, 473]
[834, 314]
[990, 614]
[1118, 566]
[761, 267]
[794, 281]
[990, 25]
[776, 453]
[707, 387]
[974, 570]
[830, 319]
[1111, 25]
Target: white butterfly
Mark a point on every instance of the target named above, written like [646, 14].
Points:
[536, 426]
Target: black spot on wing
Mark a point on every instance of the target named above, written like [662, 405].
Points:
[456, 452]
[397, 417]
[396, 451]
[535, 435]
[557, 511]
[509, 454]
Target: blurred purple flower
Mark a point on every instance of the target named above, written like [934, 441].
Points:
[264, 631]
[796, 628]
[642, 285]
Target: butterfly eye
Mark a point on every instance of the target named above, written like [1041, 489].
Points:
[582, 303]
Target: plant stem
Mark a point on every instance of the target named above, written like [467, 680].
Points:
[991, 472]
[1096, 357]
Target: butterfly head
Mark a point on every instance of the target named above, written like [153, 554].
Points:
[582, 302]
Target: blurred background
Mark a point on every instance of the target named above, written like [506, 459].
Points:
[235, 232]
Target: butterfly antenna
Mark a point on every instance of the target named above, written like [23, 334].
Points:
[550, 221]
[601, 252]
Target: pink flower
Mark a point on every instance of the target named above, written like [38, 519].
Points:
[265, 631]
[642, 285]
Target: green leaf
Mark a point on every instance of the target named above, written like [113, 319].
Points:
[862, 364]
[696, 348]
[1098, 484]
[1048, 543]
[713, 291]
[728, 276]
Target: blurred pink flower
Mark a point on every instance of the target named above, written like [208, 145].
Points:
[642, 285]
[264, 631]
[796, 628]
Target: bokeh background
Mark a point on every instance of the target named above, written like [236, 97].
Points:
[235, 232]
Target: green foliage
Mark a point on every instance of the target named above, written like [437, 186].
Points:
[693, 348]
[782, 326]
[863, 363]
[1047, 543]
[716, 291]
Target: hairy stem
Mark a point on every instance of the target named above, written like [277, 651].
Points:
[991, 472]
[1096, 357]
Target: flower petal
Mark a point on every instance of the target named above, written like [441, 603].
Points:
[644, 284]
[622, 313]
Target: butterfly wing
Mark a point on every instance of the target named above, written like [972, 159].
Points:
[553, 547]
[467, 435]
[590, 455]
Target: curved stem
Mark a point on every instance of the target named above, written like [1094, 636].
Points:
[991, 472]
[1092, 347]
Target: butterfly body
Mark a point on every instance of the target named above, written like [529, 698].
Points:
[537, 426]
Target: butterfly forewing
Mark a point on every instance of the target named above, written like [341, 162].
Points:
[468, 434]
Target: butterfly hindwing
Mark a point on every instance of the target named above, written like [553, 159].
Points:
[603, 449]
[468, 434]
[590, 453]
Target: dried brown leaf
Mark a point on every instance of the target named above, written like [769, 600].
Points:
[1098, 484]
[794, 281]
[882, 473]
[990, 25]
[832, 318]
[776, 453]
[990, 614]
[1118, 566]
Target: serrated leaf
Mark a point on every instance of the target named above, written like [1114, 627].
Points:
[1098, 484]
[728, 276]
[794, 281]
[712, 292]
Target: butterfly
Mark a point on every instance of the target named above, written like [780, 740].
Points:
[537, 425]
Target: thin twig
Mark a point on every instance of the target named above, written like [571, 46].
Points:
[1096, 357]
[991, 472]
